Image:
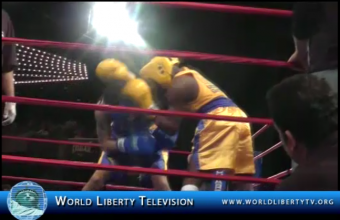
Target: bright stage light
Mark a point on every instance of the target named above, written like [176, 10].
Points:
[112, 20]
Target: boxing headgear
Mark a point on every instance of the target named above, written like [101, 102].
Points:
[139, 91]
[159, 69]
[111, 69]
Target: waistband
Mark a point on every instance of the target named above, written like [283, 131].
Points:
[216, 103]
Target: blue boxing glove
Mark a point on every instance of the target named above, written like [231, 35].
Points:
[140, 144]
[164, 141]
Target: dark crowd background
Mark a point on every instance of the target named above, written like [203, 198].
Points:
[165, 29]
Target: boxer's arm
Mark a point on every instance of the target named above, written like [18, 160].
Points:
[9, 57]
[102, 126]
[8, 83]
[184, 89]
[104, 131]
[305, 23]
[178, 97]
[169, 125]
[305, 19]
[301, 46]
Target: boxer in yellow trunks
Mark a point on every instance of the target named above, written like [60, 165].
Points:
[128, 141]
[220, 147]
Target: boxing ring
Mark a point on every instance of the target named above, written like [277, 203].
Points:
[86, 106]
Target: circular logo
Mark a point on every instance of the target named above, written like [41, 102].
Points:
[27, 201]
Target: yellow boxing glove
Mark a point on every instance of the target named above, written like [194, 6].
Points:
[138, 91]
[111, 69]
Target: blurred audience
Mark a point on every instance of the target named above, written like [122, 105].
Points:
[49, 130]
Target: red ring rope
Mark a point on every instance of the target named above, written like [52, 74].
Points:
[72, 183]
[180, 54]
[86, 144]
[278, 175]
[83, 165]
[227, 8]
[87, 106]
[281, 174]
[260, 131]
[62, 142]
[268, 151]
[83, 139]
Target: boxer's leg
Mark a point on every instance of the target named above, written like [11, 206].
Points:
[158, 160]
[161, 182]
[163, 141]
[97, 181]
[244, 163]
[100, 177]
[215, 151]
[192, 184]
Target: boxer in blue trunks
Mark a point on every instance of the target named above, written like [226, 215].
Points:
[158, 160]
[132, 142]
